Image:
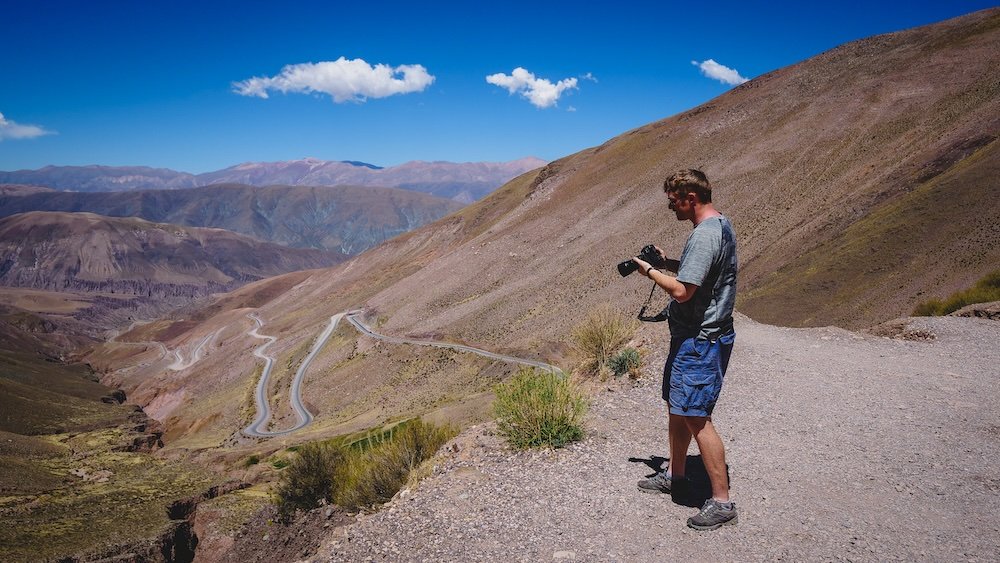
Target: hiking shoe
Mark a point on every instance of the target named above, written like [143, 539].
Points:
[658, 483]
[713, 515]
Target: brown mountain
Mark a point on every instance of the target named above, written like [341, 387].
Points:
[860, 182]
[134, 264]
[464, 182]
[346, 219]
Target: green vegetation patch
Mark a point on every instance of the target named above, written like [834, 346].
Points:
[627, 361]
[89, 497]
[361, 473]
[986, 290]
[42, 397]
[538, 408]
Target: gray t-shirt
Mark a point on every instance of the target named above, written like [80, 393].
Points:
[708, 261]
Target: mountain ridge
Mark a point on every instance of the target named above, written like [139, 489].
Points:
[465, 181]
[346, 219]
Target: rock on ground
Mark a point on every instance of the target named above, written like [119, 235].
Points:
[841, 446]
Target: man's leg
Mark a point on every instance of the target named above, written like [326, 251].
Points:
[713, 453]
[680, 439]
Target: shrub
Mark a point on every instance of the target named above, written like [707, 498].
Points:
[539, 408]
[627, 361]
[986, 289]
[361, 474]
[375, 469]
[252, 460]
[602, 334]
[309, 477]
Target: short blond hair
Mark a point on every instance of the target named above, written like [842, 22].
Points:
[688, 181]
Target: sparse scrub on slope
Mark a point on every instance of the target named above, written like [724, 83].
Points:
[603, 333]
[309, 479]
[986, 289]
[359, 475]
[628, 360]
[377, 469]
[539, 408]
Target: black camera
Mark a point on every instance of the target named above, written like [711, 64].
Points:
[648, 253]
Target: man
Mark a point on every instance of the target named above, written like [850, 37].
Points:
[701, 341]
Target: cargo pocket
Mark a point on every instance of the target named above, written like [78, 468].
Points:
[696, 362]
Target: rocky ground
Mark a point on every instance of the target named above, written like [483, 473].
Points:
[840, 446]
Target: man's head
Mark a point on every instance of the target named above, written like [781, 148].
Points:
[683, 182]
[686, 190]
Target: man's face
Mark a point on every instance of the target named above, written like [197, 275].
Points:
[682, 206]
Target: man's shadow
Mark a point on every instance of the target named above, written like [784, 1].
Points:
[700, 487]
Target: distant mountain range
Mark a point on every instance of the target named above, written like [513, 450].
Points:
[464, 182]
[345, 219]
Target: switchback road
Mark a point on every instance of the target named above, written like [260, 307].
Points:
[258, 427]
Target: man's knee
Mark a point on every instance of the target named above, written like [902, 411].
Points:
[695, 424]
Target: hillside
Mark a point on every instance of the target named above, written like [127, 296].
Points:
[75, 464]
[346, 219]
[142, 267]
[461, 181]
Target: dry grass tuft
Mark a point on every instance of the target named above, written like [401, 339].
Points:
[603, 333]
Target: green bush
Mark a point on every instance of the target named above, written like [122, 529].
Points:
[252, 460]
[309, 477]
[539, 408]
[602, 334]
[360, 474]
[376, 469]
[986, 289]
[627, 361]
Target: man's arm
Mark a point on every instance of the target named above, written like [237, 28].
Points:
[681, 292]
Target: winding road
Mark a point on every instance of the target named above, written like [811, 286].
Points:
[352, 317]
[179, 363]
[257, 428]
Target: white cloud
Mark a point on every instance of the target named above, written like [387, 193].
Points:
[344, 80]
[12, 130]
[542, 93]
[721, 73]
[589, 76]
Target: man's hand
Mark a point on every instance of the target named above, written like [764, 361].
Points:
[644, 267]
[666, 263]
[681, 292]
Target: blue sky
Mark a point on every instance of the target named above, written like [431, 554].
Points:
[140, 82]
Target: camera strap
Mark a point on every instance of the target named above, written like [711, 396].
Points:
[642, 312]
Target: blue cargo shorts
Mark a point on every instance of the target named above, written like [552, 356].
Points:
[692, 376]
